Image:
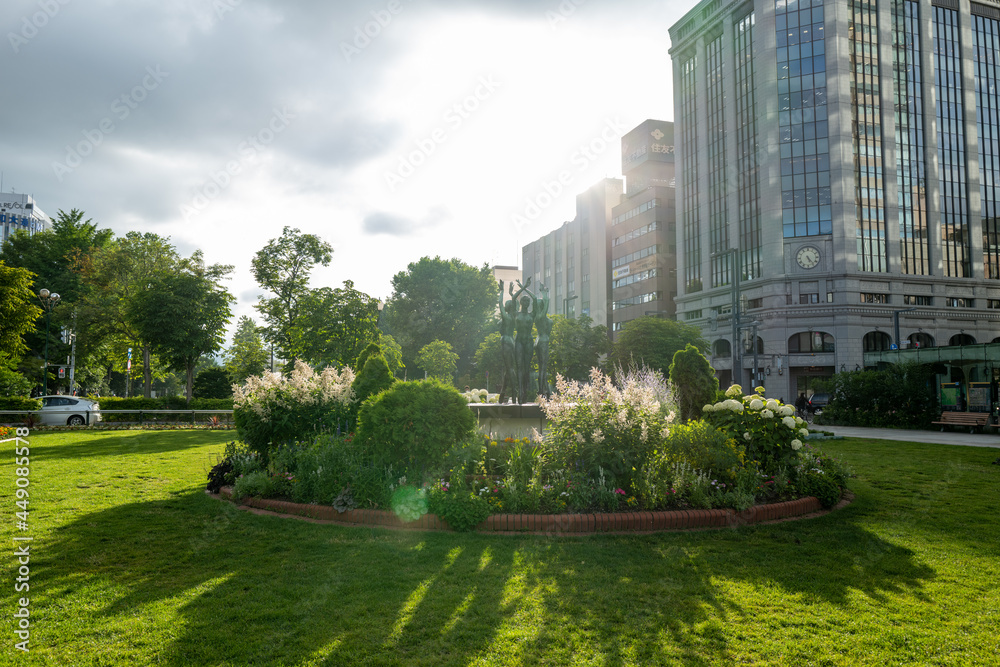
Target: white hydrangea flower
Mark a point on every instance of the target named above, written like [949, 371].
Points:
[734, 391]
[796, 445]
[773, 405]
[756, 404]
[767, 414]
[786, 411]
[789, 422]
[747, 436]
[804, 432]
[708, 408]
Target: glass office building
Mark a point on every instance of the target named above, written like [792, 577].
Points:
[838, 171]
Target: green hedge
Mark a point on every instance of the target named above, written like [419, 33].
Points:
[18, 403]
[162, 403]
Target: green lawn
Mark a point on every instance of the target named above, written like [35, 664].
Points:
[132, 564]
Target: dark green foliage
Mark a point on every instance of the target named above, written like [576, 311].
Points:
[704, 447]
[12, 383]
[413, 425]
[821, 485]
[370, 350]
[161, 403]
[19, 403]
[694, 381]
[217, 476]
[901, 396]
[213, 383]
[462, 510]
[575, 347]
[373, 378]
[653, 341]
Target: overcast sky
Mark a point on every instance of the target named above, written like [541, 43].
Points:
[393, 129]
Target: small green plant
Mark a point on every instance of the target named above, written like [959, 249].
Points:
[255, 484]
[815, 482]
[409, 503]
[462, 510]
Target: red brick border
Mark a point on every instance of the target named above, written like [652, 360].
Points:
[612, 522]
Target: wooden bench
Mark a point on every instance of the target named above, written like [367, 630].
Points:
[973, 420]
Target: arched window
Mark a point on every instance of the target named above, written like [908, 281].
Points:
[722, 348]
[921, 339]
[811, 341]
[962, 339]
[876, 341]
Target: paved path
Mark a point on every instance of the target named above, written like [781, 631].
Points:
[949, 437]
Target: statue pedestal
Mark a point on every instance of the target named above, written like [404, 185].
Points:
[508, 420]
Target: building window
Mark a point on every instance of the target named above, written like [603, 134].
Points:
[693, 315]
[803, 134]
[920, 339]
[636, 233]
[641, 208]
[638, 254]
[722, 348]
[636, 300]
[585, 278]
[959, 302]
[811, 341]
[874, 297]
[755, 303]
[916, 300]
[986, 44]
[809, 297]
[993, 303]
[636, 277]
[876, 341]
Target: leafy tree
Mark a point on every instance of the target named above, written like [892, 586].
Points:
[12, 383]
[113, 277]
[653, 341]
[184, 315]
[438, 360]
[52, 256]
[334, 325]
[247, 356]
[282, 267]
[373, 378]
[694, 381]
[575, 347]
[213, 383]
[392, 352]
[18, 310]
[489, 358]
[437, 299]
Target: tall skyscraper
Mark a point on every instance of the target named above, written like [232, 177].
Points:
[838, 171]
[643, 229]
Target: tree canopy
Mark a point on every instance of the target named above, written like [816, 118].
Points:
[334, 325]
[283, 268]
[18, 310]
[438, 360]
[246, 357]
[653, 341]
[575, 347]
[184, 314]
[438, 299]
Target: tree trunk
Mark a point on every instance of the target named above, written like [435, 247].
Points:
[190, 380]
[147, 373]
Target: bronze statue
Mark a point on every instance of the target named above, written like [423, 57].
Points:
[540, 311]
[524, 345]
[509, 378]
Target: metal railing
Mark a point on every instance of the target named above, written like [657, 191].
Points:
[144, 416]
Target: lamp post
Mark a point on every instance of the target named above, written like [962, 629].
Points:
[735, 348]
[49, 301]
[895, 324]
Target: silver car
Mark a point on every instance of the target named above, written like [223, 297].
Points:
[70, 410]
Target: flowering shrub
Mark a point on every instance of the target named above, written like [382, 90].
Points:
[603, 427]
[271, 410]
[7, 432]
[770, 430]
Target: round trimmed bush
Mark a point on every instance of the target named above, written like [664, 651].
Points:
[413, 425]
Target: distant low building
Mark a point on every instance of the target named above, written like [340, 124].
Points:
[19, 212]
